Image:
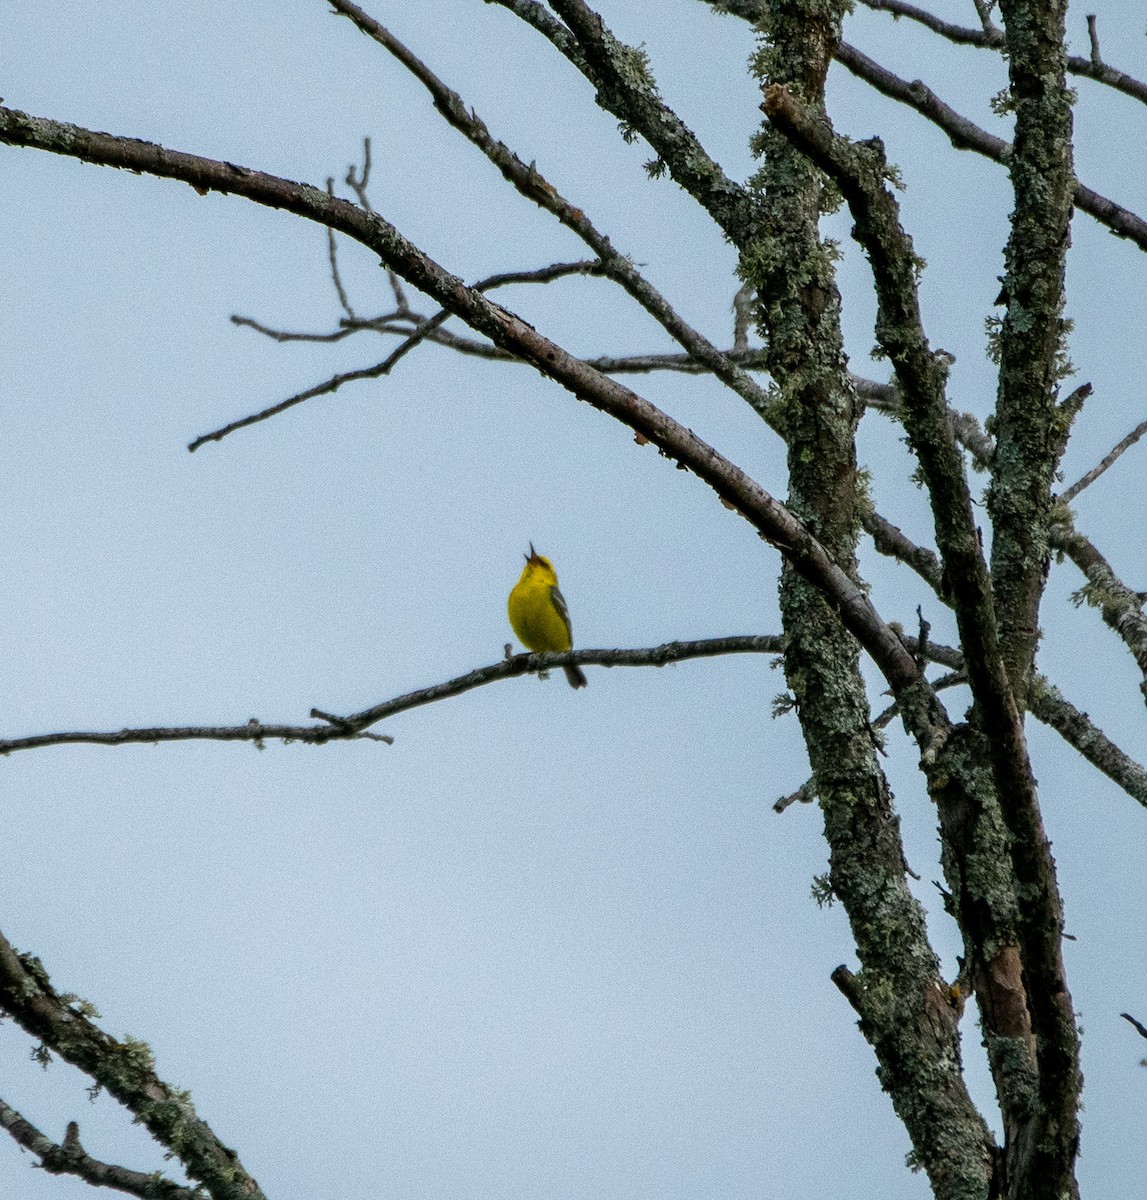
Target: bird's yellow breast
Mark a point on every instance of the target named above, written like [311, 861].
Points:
[534, 616]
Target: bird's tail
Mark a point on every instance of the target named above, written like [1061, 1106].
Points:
[575, 675]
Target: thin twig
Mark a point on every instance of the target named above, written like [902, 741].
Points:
[1109, 460]
[1093, 38]
[403, 324]
[1141, 1028]
[332, 257]
[252, 731]
[542, 275]
[323, 389]
[286, 335]
[328, 386]
[358, 182]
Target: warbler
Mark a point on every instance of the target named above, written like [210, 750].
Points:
[538, 613]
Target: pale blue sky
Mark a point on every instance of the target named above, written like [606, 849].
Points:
[549, 943]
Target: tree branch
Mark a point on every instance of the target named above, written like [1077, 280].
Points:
[1046, 704]
[1030, 428]
[959, 34]
[1138, 1026]
[357, 181]
[529, 664]
[405, 321]
[988, 36]
[963, 133]
[892, 541]
[993, 38]
[1108, 461]
[252, 731]
[1076, 728]
[775, 522]
[807, 791]
[126, 1070]
[1121, 608]
[966, 429]
[351, 727]
[629, 364]
[626, 88]
[72, 1159]
[966, 135]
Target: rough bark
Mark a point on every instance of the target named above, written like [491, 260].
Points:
[899, 994]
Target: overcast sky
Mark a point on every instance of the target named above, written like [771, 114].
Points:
[549, 943]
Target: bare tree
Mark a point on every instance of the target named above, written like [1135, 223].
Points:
[786, 360]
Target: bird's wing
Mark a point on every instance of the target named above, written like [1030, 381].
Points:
[563, 612]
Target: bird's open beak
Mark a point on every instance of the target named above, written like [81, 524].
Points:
[532, 554]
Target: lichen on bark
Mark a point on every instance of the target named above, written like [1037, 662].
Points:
[898, 993]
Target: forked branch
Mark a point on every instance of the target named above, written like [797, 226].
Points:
[70, 1158]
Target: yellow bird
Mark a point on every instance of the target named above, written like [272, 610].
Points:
[538, 613]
